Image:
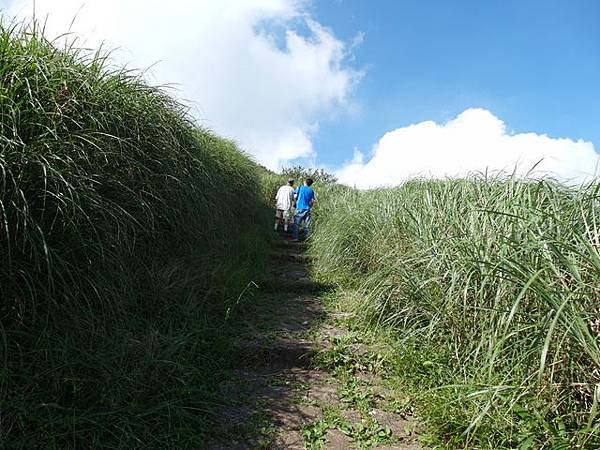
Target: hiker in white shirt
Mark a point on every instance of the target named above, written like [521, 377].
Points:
[284, 200]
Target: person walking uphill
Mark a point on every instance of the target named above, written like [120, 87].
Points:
[305, 198]
[285, 201]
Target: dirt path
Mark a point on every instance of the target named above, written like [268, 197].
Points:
[297, 385]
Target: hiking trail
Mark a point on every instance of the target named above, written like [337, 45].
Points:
[281, 395]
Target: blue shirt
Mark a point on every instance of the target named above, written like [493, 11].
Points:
[305, 196]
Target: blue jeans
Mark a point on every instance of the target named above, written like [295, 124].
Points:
[302, 215]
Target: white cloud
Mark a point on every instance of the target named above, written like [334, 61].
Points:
[250, 74]
[475, 141]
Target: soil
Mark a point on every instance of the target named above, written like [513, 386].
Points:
[277, 391]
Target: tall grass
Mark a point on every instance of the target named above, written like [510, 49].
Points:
[127, 238]
[492, 290]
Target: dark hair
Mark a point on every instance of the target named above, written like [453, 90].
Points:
[309, 181]
[291, 182]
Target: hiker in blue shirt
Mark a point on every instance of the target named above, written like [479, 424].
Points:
[305, 198]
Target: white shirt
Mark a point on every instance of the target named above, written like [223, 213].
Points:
[285, 197]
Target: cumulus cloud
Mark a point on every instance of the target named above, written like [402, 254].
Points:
[474, 141]
[262, 72]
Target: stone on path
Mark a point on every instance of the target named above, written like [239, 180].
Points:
[336, 440]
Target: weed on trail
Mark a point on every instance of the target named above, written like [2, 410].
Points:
[368, 433]
[361, 366]
[363, 434]
[344, 355]
[356, 394]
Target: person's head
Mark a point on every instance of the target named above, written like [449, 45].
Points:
[290, 182]
[309, 181]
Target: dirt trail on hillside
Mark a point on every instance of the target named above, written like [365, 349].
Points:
[279, 398]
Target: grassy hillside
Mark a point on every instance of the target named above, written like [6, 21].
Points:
[129, 240]
[486, 293]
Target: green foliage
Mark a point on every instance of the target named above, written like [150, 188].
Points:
[367, 433]
[357, 394]
[340, 358]
[364, 434]
[269, 183]
[491, 289]
[128, 246]
[314, 433]
[301, 173]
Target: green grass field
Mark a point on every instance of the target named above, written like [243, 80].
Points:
[487, 291]
[130, 240]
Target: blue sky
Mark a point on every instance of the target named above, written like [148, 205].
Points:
[432, 88]
[534, 64]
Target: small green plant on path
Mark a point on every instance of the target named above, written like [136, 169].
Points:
[367, 433]
[341, 357]
[356, 394]
[364, 434]
[261, 429]
[314, 433]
